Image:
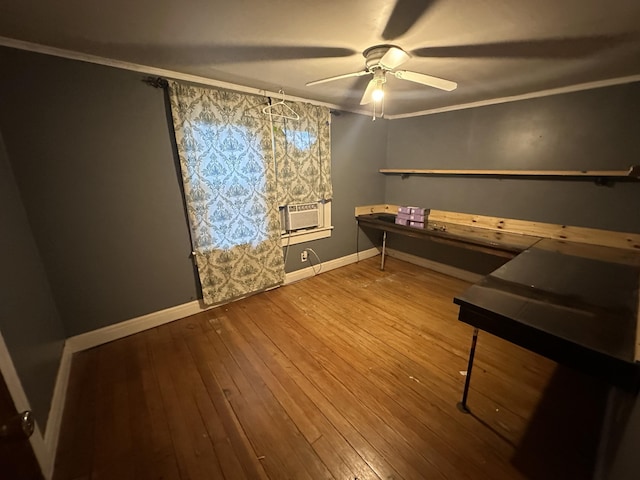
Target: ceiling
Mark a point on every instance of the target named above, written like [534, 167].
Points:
[491, 48]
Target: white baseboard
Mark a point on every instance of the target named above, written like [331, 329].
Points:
[116, 331]
[330, 265]
[88, 340]
[44, 456]
[54, 420]
[435, 266]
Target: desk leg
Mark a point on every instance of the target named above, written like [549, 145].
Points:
[384, 247]
[462, 406]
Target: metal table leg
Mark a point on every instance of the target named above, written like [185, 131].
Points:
[384, 246]
[462, 406]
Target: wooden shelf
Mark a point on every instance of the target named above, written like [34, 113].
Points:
[632, 172]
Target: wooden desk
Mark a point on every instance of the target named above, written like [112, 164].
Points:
[480, 239]
[572, 302]
[576, 304]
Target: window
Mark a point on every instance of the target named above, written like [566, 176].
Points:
[303, 167]
[238, 188]
[228, 174]
[237, 169]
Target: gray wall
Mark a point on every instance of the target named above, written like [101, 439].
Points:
[29, 320]
[91, 152]
[595, 129]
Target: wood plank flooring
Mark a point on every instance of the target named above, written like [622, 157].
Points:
[353, 374]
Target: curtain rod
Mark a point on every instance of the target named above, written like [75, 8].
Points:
[156, 82]
[160, 82]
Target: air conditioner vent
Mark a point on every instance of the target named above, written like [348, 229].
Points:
[301, 215]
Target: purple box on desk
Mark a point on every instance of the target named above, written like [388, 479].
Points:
[416, 224]
[416, 218]
[419, 211]
[402, 221]
[404, 210]
[404, 216]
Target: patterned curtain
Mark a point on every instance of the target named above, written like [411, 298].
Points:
[228, 173]
[303, 155]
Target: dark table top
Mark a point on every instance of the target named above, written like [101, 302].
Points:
[482, 239]
[564, 300]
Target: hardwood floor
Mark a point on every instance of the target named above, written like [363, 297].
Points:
[353, 374]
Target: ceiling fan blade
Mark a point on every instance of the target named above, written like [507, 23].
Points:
[428, 80]
[338, 77]
[394, 58]
[404, 15]
[368, 93]
[546, 48]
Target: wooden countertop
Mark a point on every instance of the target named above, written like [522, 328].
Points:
[476, 238]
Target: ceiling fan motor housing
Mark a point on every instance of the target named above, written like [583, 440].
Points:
[373, 55]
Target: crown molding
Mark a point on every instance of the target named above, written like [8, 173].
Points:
[525, 96]
[149, 70]
[161, 72]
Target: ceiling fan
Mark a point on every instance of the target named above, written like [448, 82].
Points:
[381, 60]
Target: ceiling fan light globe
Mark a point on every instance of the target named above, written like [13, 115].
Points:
[377, 95]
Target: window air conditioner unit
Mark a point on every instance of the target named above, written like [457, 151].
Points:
[302, 215]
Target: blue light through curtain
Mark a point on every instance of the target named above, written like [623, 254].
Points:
[303, 155]
[230, 190]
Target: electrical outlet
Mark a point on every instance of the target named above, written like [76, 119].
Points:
[303, 256]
